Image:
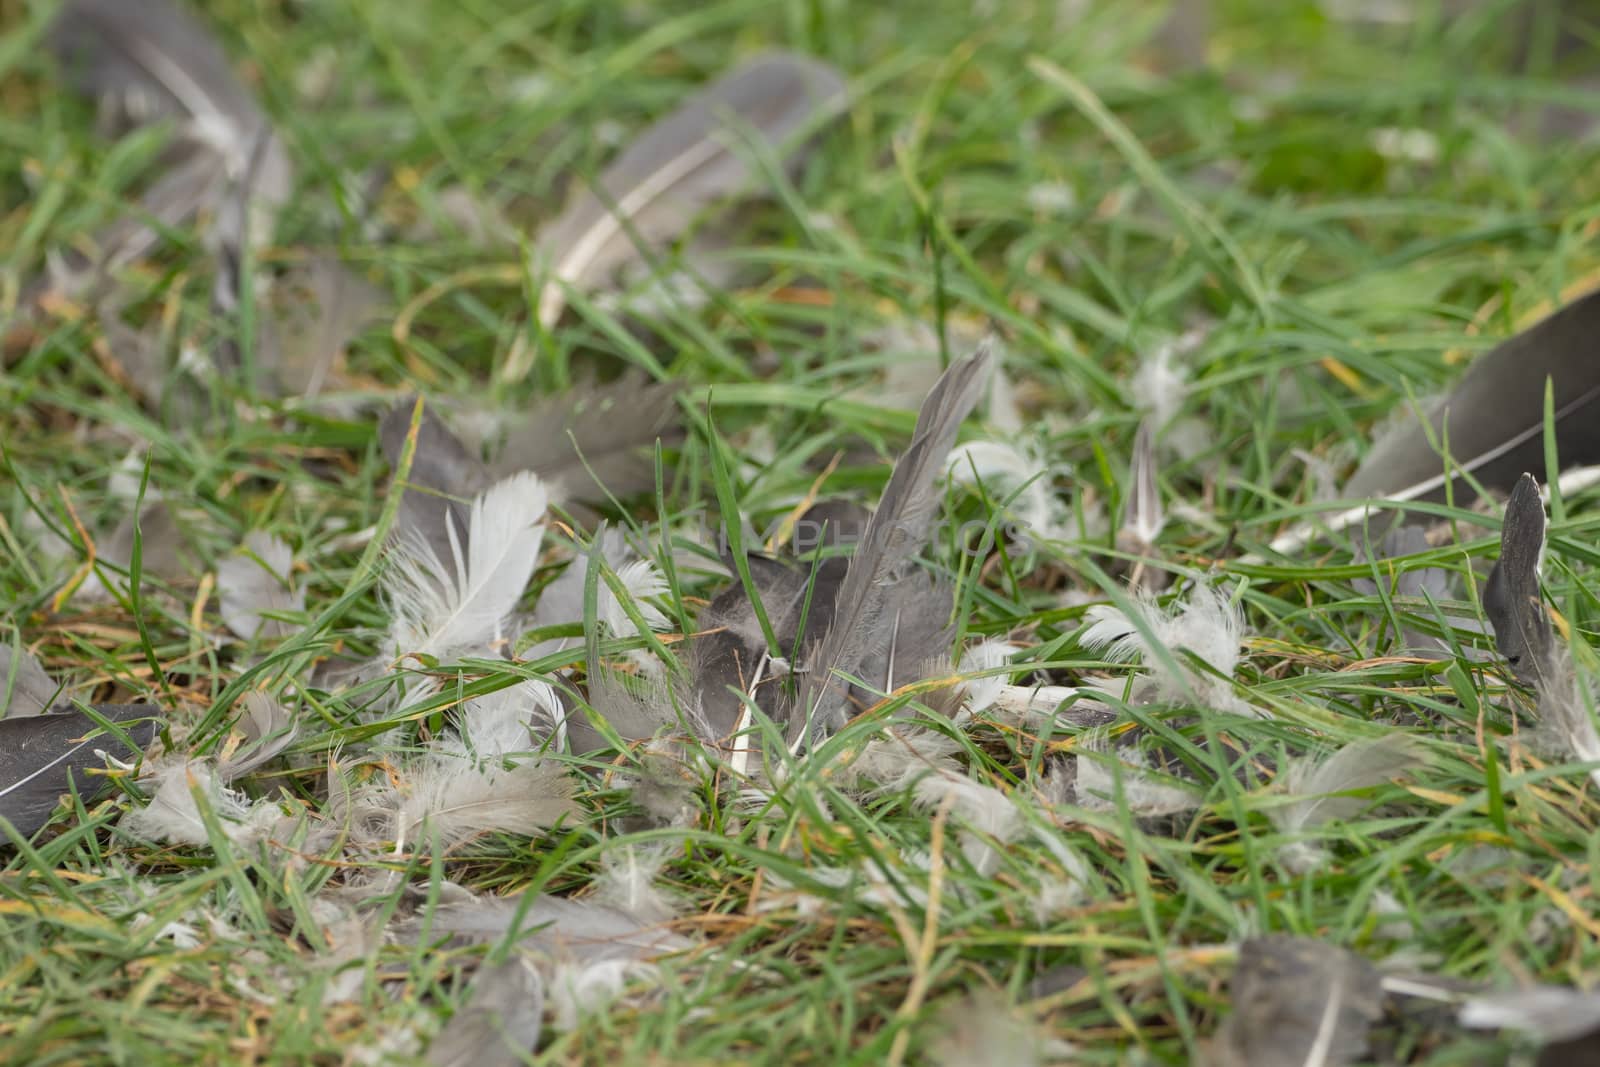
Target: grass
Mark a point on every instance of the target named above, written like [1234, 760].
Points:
[1347, 213]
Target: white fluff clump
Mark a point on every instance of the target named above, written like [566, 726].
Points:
[1022, 481]
[1145, 793]
[1566, 712]
[642, 581]
[991, 817]
[897, 758]
[577, 990]
[257, 583]
[447, 608]
[627, 882]
[516, 719]
[1206, 623]
[981, 693]
[173, 814]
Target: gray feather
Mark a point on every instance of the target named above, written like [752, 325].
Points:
[499, 1022]
[25, 689]
[559, 927]
[593, 437]
[255, 588]
[688, 160]
[897, 531]
[443, 480]
[45, 756]
[1511, 596]
[317, 308]
[1316, 784]
[1493, 420]
[1297, 1002]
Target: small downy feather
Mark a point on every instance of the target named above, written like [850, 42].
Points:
[264, 729]
[1143, 517]
[686, 161]
[559, 927]
[173, 814]
[255, 587]
[499, 1021]
[1492, 421]
[897, 531]
[1145, 793]
[43, 757]
[1298, 1003]
[1318, 784]
[1204, 622]
[459, 603]
[25, 688]
[458, 797]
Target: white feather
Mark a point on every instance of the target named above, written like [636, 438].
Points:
[1145, 793]
[257, 583]
[510, 720]
[627, 882]
[982, 692]
[458, 797]
[1205, 623]
[642, 581]
[444, 612]
[173, 816]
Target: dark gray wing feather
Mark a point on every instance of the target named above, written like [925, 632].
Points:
[41, 757]
[897, 531]
[1511, 596]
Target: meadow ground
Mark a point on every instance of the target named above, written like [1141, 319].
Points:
[1317, 227]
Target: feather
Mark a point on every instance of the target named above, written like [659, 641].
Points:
[25, 689]
[897, 531]
[1298, 1003]
[1493, 420]
[44, 756]
[1552, 1013]
[594, 439]
[458, 797]
[1143, 517]
[1144, 791]
[558, 927]
[499, 1021]
[1566, 711]
[254, 589]
[265, 729]
[1417, 583]
[1511, 597]
[444, 476]
[688, 160]
[1492, 423]
[174, 814]
[153, 61]
[1205, 623]
[460, 603]
[627, 882]
[1316, 784]
[316, 308]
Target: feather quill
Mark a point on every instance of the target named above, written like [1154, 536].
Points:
[897, 531]
[44, 756]
[1492, 422]
[688, 160]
